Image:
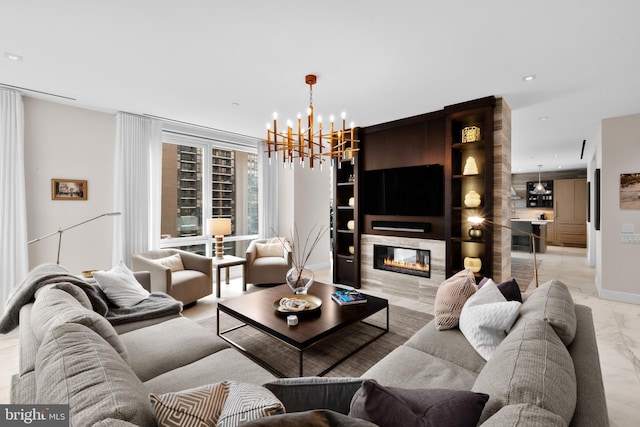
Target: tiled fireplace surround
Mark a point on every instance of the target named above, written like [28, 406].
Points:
[417, 288]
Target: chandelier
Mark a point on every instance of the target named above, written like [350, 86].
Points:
[539, 189]
[310, 143]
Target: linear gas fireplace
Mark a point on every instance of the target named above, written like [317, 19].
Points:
[416, 262]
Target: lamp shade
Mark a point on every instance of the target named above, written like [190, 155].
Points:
[218, 226]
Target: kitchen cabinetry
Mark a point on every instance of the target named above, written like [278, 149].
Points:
[570, 212]
[540, 200]
[346, 242]
[471, 187]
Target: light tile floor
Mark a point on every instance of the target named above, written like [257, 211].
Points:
[617, 329]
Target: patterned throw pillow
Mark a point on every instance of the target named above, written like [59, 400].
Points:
[198, 406]
[248, 402]
[224, 404]
[451, 296]
[486, 318]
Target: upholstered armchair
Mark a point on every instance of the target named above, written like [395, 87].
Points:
[268, 261]
[184, 275]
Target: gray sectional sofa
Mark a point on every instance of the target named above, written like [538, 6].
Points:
[545, 372]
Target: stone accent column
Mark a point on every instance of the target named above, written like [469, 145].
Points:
[501, 190]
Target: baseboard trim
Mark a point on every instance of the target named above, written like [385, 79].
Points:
[619, 296]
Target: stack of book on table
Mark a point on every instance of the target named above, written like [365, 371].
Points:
[348, 297]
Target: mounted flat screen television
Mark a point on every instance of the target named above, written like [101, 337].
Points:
[408, 191]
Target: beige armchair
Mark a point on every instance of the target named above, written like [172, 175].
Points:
[184, 275]
[268, 261]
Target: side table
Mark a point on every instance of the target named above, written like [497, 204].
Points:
[226, 262]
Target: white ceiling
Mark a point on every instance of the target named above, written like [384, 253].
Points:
[230, 64]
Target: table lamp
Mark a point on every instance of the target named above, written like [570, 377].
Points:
[219, 227]
[475, 225]
[62, 230]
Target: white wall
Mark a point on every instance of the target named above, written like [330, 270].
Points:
[73, 143]
[617, 264]
[304, 202]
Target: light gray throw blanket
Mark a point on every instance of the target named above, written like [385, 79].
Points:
[43, 275]
[157, 305]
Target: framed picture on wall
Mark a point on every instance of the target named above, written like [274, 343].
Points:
[69, 189]
[596, 199]
[630, 191]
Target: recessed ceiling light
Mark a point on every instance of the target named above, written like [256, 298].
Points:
[529, 78]
[13, 56]
[559, 167]
[543, 118]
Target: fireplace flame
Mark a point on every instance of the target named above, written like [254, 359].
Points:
[403, 264]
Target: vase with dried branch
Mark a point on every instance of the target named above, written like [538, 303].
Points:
[299, 278]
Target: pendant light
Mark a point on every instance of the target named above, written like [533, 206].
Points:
[539, 189]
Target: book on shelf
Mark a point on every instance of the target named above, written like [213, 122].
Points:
[348, 297]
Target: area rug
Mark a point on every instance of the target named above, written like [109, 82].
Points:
[522, 270]
[403, 323]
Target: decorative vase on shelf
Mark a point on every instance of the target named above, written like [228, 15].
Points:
[472, 199]
[472, 263]
[470, 167]
[299, 280]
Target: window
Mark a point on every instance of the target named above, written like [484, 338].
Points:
[206, 178]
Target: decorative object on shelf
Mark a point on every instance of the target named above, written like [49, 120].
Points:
[352, 201]
[62, 230]
[472, 263]
[299, 278]
[352, 178]
[470, 166]
[470, 134]
[472, 199]
[350, 224]
[477, 221]
[475, 232]
[69, 189]
[352, 250]
[219, 227]
[310, 143]
[540, 189]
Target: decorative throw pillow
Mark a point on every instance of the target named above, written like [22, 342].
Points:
[120, 286]
[269, 249]
[552, 303]
[486, 318]
[451, 296]
[393, 406]
[224, 404]
[173, 262]
[531, 366]
[510, 289]
[199, 406]
[248, 402]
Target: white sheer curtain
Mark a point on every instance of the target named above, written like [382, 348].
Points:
[268, 191]
[14, 259]
[137, 186]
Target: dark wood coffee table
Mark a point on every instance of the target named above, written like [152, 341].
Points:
[256, 310]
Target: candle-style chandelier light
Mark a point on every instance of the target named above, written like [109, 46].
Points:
[309, 143]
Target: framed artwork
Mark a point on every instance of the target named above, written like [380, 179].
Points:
[596, 199]
[588, 201]
[630, 191]
[68, 189]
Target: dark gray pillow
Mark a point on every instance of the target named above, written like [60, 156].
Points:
[302, 394]
[317, 418]
[509, 289]
[393, 406]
